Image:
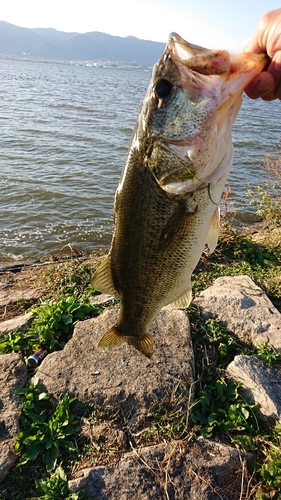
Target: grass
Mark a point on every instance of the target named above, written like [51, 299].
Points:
[57, 440]
[43, 431]
[267, 198]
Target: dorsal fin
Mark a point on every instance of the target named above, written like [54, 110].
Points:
[102, 279]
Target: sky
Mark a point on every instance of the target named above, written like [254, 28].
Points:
[223, 24]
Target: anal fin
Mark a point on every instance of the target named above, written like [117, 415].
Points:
[181, 302]
[213, 232]
[114, 337]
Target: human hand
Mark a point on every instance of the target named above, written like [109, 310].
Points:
[267, 38]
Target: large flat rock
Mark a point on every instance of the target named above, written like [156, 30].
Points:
[261, 384]
[244, 309]
[17, 324]
[122, 376]
[9, 295]
[200, 470]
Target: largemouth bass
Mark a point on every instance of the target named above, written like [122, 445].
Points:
[167, 202]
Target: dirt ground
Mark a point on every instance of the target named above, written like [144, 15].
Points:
[20, 286]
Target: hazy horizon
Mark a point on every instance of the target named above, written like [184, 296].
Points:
[211, 24]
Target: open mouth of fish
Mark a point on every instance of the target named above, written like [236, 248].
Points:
[213, 81]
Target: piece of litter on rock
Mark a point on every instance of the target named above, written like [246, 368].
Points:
[96, 373]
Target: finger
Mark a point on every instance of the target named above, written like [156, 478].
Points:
[274, 69]
[275, 94]
[262, 85]
[254, 46]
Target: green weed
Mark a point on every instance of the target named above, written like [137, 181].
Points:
[226, 345]
[214, 345]
[43, 431]
[52, 326]
[55, 488]
[220, 410]
[268, 353]
[270, 471]
[18, 342]
[72, 277]
[54, 321]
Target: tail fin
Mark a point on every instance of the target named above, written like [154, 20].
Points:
[114, 337]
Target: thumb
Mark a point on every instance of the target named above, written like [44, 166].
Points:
[261, 85]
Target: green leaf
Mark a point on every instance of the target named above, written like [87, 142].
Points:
[50, 458]
[68, 445]
[31, 453]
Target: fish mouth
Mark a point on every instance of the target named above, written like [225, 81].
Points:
[236, 70]
[199, 59]
[207, 91]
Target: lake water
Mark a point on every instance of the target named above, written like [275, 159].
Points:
[65, 131]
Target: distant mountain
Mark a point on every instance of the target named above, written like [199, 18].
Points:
[50, 44]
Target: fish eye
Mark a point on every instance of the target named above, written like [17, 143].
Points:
[162, 89]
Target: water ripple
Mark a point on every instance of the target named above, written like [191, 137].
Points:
[65, 131]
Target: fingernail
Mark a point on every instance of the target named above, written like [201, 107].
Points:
[264, 86]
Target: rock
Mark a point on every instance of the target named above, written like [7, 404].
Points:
[10, 295]
[202, 470]
[244, 309]
[261, 384]
[8, 457]
[18, 324]
[122, 376]
[12, 374]
[101, 299]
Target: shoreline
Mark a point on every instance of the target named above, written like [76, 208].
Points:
[234, 218]
[51, 258]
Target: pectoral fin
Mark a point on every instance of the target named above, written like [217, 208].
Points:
[177, 222]
[102, 279]
[114, 337]
[214, 229]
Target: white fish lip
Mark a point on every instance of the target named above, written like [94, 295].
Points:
[204, 61]
[236, 70]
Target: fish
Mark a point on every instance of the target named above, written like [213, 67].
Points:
[166, 206]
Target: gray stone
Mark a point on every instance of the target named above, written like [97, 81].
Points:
[201, 470]
[101, 299]
[12, 374]
[244, 309]
[10, 294]
[8, 457]
[261, 384]
[18, 324]
[122, 376]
